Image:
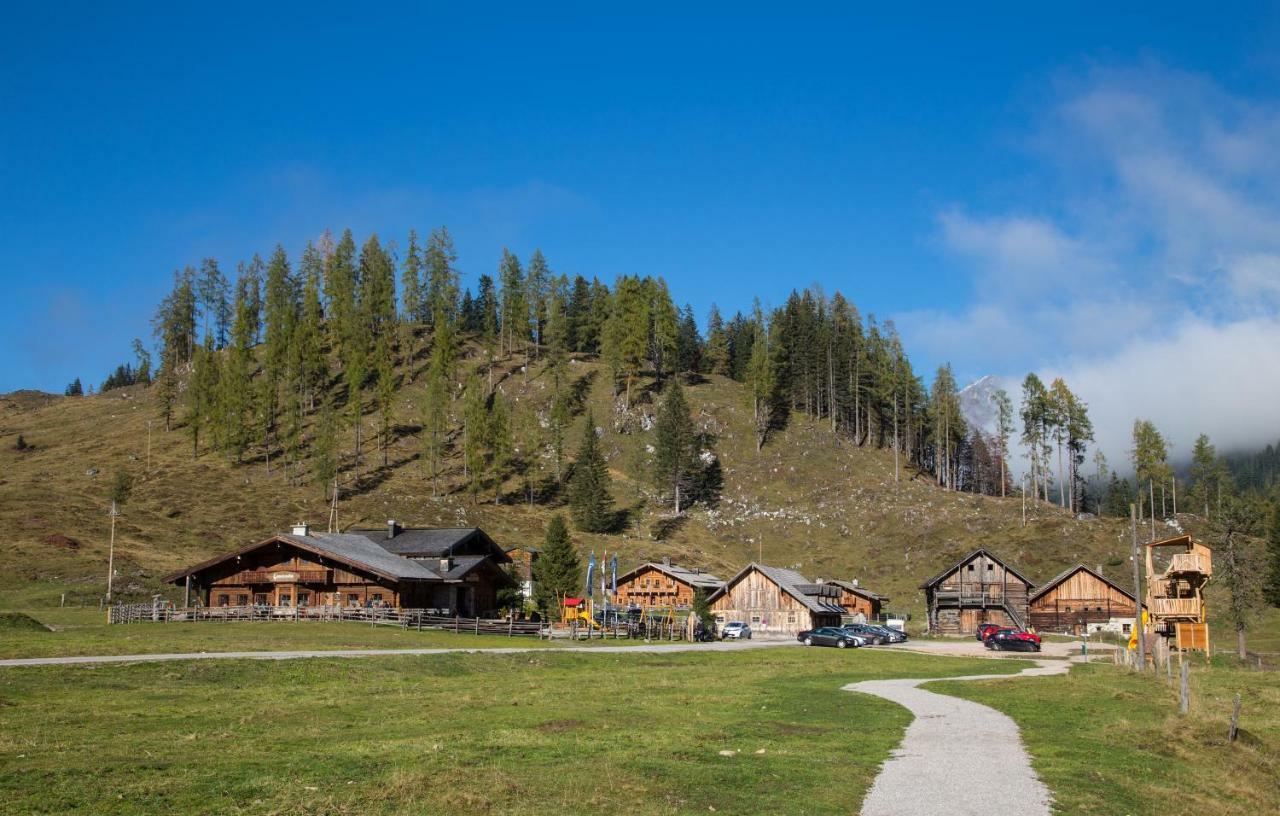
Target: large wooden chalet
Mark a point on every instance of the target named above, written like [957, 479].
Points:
[774, 600]
[663, 584]
[1081, 600]
[978, 589]
[455, 571]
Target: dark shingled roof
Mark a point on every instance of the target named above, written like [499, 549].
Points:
[431, 542]
[359, 549]
[858, 589]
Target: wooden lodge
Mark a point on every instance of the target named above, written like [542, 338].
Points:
[663, 584]
[773, 600]
[456, 571]
[980, 588]
[860, 604]
[1080, 600]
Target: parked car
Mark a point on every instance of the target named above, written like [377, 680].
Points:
[985, 630]
[890, 635]
[1013, 640]
[830, 636]
[870, 633]
[736, 630]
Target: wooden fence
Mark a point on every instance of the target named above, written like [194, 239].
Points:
[419, 619]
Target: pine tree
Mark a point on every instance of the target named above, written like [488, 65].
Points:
[536, 287]
[474, 421]
[589, 499]
[310, 359]
[688, 343]
[664, 331]
[1004, 429]
[386, 390]
[675, 460]
[558, 570]
[1239, 566]
[324, 449]
[1272, 590]
[340, 291]
[1034, 410]
[515, 309]
[1204, 473]
[625, 336]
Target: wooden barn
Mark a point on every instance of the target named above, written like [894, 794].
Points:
[1080, 600]
[663, 584]
[979, 588]
[451, 571]
[773, 600]
[859, 603]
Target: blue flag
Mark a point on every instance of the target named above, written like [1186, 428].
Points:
[591, 570]
[613, 567]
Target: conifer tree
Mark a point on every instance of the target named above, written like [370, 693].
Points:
[435, 418]
[1034, 421]
[675, 460]
[1272, 589]
[537, 283]
[386, 389]
[1004, 429]
[1205, 473]
[143, 373]
[664, 331]
[474, 421]
[310, 359]
[515, 309]
[762, 382]
[589, 500]
[625, 337]
[412, 297]
[717, 344]
[688, 343]
[498, 442]
[340, 288]
[578, 315]
[1240, 566]
[442, 276]
[236, 392]
[324, 449]
[558, 570]
[201, 390]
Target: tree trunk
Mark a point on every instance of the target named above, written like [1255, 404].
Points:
[1241, 651]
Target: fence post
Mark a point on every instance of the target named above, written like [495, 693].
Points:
[1184, 696]
[1235, 720]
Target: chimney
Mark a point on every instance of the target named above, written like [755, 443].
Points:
[855, 582]
[666, 560]
[393, 529]
[302, 529]
[446, 563]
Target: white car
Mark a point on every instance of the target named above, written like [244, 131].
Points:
[736, 630]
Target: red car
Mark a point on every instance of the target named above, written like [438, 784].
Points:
[1013, 640]
[985, 630]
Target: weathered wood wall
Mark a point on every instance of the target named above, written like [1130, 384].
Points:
[651, 587]
[766, 607]
[1081, 599]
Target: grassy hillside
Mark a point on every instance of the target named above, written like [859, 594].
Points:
[808, 500]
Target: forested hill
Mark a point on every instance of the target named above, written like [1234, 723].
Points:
[775, 433]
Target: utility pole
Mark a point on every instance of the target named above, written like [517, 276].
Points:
[1137, 592]
[148, 446]
[1024, 500]
[111, 550]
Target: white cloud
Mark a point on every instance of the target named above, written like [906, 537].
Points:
[1147, 275]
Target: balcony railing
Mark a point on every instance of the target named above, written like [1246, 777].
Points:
[282, 576]
[1176, 607]
[1188, 562]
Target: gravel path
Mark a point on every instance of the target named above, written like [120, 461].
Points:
[958, 757]
[80, 660]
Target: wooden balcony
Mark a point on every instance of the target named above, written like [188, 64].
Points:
[1176, 608]
[281, 576]
[1188, 562]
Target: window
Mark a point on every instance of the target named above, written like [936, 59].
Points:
[286, 600]
[242, 600]
[991, 567]
[971, 568]
[353, 599]
[224, 600]
[791, 617]
[1125, 628]
[377, 596]
[755, 618]
[303, 598]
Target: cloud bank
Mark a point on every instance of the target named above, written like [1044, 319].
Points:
[1147, 271]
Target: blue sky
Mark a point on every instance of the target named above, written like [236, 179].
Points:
[1073, 191]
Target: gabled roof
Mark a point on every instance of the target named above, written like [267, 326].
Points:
[1067, 573]
[347, 548]
[694, 578]
[432, 542]
[789, 581]
[980, 551]
[858, 589]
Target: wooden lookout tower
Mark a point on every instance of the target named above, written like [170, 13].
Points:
[1177, 571]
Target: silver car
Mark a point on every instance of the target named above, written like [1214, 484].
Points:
[736, 630]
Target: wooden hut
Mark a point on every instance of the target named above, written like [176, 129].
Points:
[1178, 570]
[451, 571]
[663, 584]
[979, 588]
[1080, 600]
[858, 601]
[773, 600]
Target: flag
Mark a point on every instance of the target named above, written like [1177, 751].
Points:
[613, 567]
[591, 571]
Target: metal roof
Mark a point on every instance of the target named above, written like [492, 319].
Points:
[429, 542]
[789, 581]
[359, 549]
[1067, 573]
[692, 577]
[858, 589]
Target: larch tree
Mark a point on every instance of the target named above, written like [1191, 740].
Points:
[590, 502]
[762, 382]
[1240, 566]
[441, 277]
[475, 417]
[537, 282]
[498, 442]
[412, 297]
[1034, 414]
[324, 449]
[515, 309]
[717, 352]
[435, 419]
[1004, 430]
